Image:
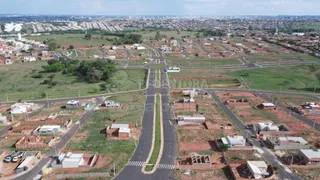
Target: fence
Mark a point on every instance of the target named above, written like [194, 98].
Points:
[79, 175]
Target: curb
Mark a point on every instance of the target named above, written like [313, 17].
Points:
[153, 139]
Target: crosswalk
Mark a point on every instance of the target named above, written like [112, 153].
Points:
[135, 163]
[159, 166]
[165, 166]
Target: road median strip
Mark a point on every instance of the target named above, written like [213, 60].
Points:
[157, 142]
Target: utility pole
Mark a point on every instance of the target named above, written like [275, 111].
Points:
[47, 100]
[114, 169]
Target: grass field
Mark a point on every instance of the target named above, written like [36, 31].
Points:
[298, 78]
[88, 54]
[119, 151]
[281, 57]
[200, 62]
[200, 79]
[20, 84]
[76, 40]
[157, 138]
[169, 34]
[133, 106]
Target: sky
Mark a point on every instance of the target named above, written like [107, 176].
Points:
[161, 7]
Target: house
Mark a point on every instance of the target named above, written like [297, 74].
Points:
[29, 59]
[310, 156]
[165, 48]
[47, 129]
[45, 54]
[266, 106]
[74, 160]
[3, 119]
[258, 169]
[73, 103]
[140, 48]
[234, 141]
[186, 100]
[71, 160]
[287, 143]
[20, 108]
[310, 105]
[119, 130]
[8, 61]
[268, 126]
[110, 104]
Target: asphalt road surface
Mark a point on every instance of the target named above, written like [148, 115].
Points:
[142, 151]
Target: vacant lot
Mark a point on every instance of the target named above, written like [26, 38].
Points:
[298, 78]
[76, 40]
[200, 62]
[202, 79]
[21, 83]
[217, 174]
[308, 174]
[89, 138]
[169, 34]
[280, 57]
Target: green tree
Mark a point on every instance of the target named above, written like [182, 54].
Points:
[158, 35]
[87, 36]
[71, 47]
[52, 46]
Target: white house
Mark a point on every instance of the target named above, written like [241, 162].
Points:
[111, 104]
[47, 129]
[73, 103]
[20, 108]
[29, 59]
[234, 141]
[268, 126]
[8, 61]
[71, 160]
[140, 48]
[258, 169]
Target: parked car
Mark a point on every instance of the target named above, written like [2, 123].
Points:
[7, 159]
[14, 159]
[17, 154]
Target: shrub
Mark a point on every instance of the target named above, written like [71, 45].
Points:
[37, 76]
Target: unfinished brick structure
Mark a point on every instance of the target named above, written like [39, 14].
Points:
[32, 141]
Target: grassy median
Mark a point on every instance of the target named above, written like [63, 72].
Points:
[158, 84]
[157, 139]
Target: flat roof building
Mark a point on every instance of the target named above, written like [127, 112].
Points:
[258, 169]
[234, 141]
[310, 156]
